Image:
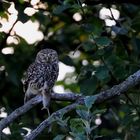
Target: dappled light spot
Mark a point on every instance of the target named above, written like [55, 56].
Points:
[7, 23]
[105, 13]
[58, 89]
[28, 130]
[97, 63]
[6, 130]
[84, 62]
[98, 121]
[34, 2]
[63, 69]
[110, 22]
[93, 73]
[75, 54]
[120, 129]
[29, 31]
[83, 4]
[46, 13]
[3, 114]
[8, 50]
[109, 15]
[69, 138]
[70, 80]
[30, 11]
[2, 68]
[12, 9]
[13, 40]
[77, 17]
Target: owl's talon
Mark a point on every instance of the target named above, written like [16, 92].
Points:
[46, 109]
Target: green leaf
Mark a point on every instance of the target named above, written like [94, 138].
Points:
[77, 126]
[59, 137]
[83, 114]
[81, 137]
[136, 45]
[67, 60]
[94, 27]
[102, 73]
[90, 100]
[88, 46]
[136, 26]
[21, 1]
[119, 30]
[62, 123]
[61, 8]
[99, 111]
[88, 86]
[102, 41]
[78, 136]
[21, 15]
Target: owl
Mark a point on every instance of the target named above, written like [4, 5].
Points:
[41, 76]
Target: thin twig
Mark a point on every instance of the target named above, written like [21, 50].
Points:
[113, 18]
[3, 42]
[110, 71]
[80, 3]
[79, 46]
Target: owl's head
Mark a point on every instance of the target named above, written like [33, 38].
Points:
[46, 56]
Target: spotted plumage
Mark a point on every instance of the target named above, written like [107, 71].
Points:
[42, 75]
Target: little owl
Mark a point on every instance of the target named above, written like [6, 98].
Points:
[41, 76]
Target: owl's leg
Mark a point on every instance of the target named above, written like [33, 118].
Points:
[27, 95]
[46, 102]
[46, 97]
[25, 98]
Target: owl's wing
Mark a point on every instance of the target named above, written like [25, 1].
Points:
[38, 74]
[53, 74]
[25, 85]
[27, 77]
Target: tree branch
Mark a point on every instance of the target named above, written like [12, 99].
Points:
[31, 103]
[49, 120]
[19, 111]
[130, 82]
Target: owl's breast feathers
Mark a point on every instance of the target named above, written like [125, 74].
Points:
[37, 74]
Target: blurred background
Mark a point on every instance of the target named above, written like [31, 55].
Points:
[98, 45]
